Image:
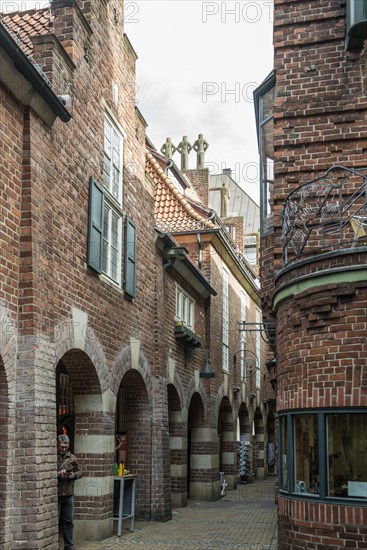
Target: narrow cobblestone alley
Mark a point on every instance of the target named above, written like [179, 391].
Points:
[245, 519]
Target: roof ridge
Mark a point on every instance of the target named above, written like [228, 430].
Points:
[46, 8]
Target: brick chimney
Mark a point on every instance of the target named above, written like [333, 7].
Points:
[200, 181]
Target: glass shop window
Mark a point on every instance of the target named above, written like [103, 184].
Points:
[284, 446]
[347, 455]
[306, 454]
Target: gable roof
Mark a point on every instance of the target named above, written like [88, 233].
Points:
[173, 211]
[19, 72]
[27, 24]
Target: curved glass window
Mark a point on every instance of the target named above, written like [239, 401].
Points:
[323, 454]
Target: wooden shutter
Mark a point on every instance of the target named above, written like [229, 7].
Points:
[95, 235]
[130, 258]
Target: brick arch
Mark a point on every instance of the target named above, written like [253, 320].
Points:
[92, 431]
[191, 390]
[177, 384]
[244, 419]
[123, 364]
[220, 396]
[92, 347]
[134, 416]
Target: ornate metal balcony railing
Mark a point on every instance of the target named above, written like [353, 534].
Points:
[326, 214]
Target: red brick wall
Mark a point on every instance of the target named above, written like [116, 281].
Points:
[320, 114]
[11, 139]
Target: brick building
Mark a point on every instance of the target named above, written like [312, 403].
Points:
[311, 114]
[110, 309]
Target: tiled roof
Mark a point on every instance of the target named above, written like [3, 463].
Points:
[24, 25]
[173, 212]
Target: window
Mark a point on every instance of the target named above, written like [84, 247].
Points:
[323, 454]
[250, 249]
[264, 100]
[244, 302]
[112, 159]
[347, 455]
[105, 216]
[258, 348]
[231, 230]
[185, 307]
[306, 454]
[225, 320]
[283, 430]
[112, 176]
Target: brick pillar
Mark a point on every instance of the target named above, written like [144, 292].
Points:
[228, 450]
[260, 442]
[204, 464]
[94, 448]
[34, 510]
[4, 460]
[178, 455]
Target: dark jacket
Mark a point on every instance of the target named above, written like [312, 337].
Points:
[68, 462]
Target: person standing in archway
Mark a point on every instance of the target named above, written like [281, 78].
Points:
[67, 472]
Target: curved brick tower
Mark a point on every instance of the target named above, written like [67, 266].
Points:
[311, 113]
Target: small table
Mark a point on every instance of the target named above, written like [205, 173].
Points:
[126, 509]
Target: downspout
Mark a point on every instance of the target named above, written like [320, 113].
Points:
[200, 252]
[168, 264]
[169, 165]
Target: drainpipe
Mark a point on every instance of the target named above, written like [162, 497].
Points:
[168, 264]
[169, 165]
[200, 252]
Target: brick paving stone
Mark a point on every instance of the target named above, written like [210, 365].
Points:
[245, 519]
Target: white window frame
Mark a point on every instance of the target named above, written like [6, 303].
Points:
[112, 240]
[258, 348]
[185, 308]
[244, 306]
[225, 319]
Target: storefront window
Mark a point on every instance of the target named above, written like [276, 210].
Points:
[323, 454]
[306, 454]
[284, 446]
[347, 455]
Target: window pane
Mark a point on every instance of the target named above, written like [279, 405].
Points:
[184, 308]
[107, 171]
[114, 253]
[306, 454]
[107, 137]
[178, 302]
[347, 455]
[250, 254]
[191, 310]
[106, 238]
[284, 464]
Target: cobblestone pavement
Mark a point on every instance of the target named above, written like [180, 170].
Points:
[245, 519]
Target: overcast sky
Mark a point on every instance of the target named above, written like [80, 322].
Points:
[198, 64]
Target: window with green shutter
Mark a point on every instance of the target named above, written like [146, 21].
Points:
[96, 215]
[105, 208]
